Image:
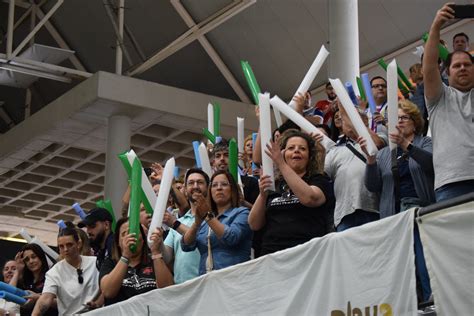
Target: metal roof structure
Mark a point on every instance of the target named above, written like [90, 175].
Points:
[52, 146]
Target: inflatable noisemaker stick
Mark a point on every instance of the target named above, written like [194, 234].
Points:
[162, 200]
[217, 119]
[240, 138]
[9, 297]
[26, 236]
[147, 195]
[50, 252]
[205, 163]
[442, 51]
[251, 81]
[278, 118]
[392, 101]
[350, 91]
[369, 95]
[354, 116]
[233, 158]
[196, 154]
[176, 172]
[79, 211]
[5, 287]
[61, 224]
[135, 186]
[404, 78]
[401, 86]
[361, 89]
[209, 135]
[100, 203]
[254, 140]
[299, 120]
[210, 118]
[311, 74]
[266, 135]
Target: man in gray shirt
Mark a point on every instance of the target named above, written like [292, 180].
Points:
[451, 114]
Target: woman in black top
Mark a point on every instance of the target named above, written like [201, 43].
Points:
[302, 206]
[128, 273]
[32, 275]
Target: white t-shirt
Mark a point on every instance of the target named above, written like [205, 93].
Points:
[62, 281]
[9, 306]
[452, 130]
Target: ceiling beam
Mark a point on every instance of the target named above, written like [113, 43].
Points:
[52, 31]
[189, 37]
[44, 19]
[48, 69]
[212, 52]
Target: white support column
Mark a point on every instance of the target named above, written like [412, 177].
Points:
[344, 40]
[118, 51]
[118, 141]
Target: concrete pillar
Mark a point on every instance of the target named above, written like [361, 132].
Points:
[344, 40]
[118, 141]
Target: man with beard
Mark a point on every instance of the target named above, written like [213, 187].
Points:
[451, 112]
[185, 265]
[98, 223]
[326, 107]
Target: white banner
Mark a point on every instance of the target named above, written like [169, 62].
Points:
[368, 270]
[448, 244]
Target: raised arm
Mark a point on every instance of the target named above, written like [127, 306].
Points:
[432, 78]
[309, 195]
[112, 281]
[257, 213]
[163, 275]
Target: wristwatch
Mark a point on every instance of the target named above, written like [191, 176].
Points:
[176, 224]
[209, 215]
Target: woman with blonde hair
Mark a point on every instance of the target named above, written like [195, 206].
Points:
[415, 165]
[413, 184]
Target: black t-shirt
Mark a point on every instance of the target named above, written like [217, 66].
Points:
[27, 309]
[251, 189]
[289, 223]
[138, 280]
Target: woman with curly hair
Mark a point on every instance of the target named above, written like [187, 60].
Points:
[301, 208]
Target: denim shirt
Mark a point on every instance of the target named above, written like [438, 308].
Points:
[232, 248]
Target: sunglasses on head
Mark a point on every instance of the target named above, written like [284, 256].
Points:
[80, 278]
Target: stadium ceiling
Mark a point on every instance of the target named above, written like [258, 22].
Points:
[191, 45]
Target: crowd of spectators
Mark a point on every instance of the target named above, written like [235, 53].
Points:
[215, 223]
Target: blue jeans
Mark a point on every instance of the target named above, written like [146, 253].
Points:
[420, 264]
[358, 218]
[452, 190]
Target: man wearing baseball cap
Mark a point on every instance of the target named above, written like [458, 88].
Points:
[98, 223]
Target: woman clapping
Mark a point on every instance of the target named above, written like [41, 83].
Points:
[302, 206]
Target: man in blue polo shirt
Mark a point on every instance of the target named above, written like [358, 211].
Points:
[185, 265]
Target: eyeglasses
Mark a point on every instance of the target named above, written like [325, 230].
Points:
[80, 278]
[192, 183]
[404, 118]
[224, 185]
[380, 85]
